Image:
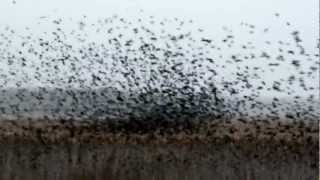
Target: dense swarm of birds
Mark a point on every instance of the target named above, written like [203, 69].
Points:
[154, 69]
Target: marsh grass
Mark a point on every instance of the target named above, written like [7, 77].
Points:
[222, 150]
[169, 162]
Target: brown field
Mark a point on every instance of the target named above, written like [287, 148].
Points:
[46, 149]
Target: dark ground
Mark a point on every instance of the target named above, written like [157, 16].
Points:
[176, 162]
[67, 150]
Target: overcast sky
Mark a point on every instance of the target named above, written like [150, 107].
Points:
[304, 15]
[210, 15]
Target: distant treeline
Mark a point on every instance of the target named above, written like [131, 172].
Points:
[111, 103]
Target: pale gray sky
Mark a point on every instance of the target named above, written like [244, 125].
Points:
[210, 15]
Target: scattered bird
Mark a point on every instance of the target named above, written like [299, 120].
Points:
[145, 72]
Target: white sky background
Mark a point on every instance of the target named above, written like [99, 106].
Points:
[211, 15]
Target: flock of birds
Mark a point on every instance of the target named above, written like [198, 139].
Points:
[153, 69]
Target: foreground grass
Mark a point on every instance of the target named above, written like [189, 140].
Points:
[161, 132]
[215, 149]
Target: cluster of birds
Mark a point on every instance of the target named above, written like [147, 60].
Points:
[153, 69]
